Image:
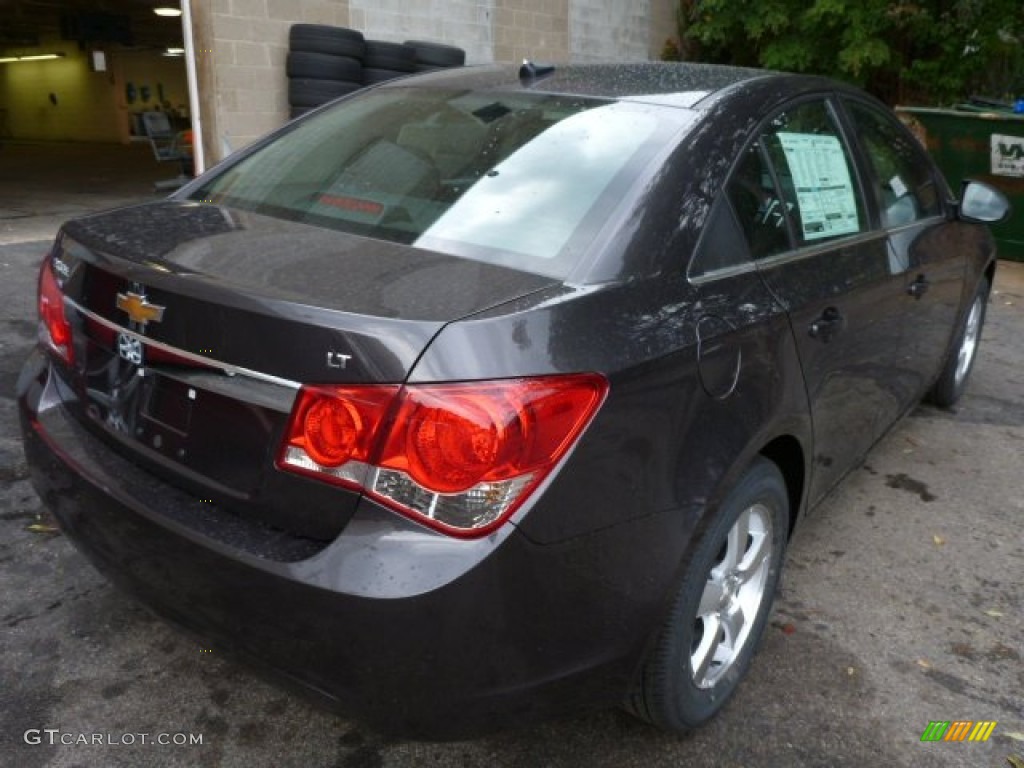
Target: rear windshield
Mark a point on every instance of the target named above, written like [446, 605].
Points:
[518, 179]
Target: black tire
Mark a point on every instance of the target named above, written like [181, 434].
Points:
[321, 38]
[952, 381]
[323, 66]
[372, 76]
[436, 54]
[394, 56]
[669, 692]
[313, 93]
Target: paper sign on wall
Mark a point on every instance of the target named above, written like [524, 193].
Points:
[824, 190]
[1007, 155]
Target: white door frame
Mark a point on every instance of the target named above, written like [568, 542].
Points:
[193, 87]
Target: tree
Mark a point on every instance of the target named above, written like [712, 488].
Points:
[928, 51]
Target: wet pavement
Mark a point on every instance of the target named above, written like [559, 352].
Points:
[902, 600]
[43, 184]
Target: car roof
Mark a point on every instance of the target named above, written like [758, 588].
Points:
[673, 83]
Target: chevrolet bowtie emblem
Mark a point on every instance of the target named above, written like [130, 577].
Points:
[139, 309]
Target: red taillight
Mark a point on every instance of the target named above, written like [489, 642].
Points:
[55, 330]
[332, 431]
[451, 438]
[458, 457]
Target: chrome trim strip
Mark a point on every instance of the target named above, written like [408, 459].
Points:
[808, 251]
[229, 369]
[724, 272]
[935, 218]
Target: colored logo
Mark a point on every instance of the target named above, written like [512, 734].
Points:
[958, 730]
[139, 309]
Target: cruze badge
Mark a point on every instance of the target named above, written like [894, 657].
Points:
[139, 309]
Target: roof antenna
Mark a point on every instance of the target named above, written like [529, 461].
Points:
[531, 71]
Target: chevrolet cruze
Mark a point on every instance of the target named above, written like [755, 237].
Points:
[496, 393]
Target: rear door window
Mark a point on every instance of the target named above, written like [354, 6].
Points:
[758, 205]
[796, 184]
[814, 173]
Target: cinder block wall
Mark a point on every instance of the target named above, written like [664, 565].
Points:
[465, 23]
[600, 30]
[241, 44]
[533, 29]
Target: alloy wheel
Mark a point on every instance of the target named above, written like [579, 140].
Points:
[969, 344]
[732, 596]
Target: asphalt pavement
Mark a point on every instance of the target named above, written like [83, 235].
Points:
[901, 601]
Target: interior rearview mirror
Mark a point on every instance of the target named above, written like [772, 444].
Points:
[983, 203]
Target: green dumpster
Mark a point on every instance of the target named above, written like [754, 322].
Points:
[984, 145]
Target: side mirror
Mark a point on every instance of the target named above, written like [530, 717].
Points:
[981, 203]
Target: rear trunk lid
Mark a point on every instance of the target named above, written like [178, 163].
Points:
[194, 326]
[277, 296]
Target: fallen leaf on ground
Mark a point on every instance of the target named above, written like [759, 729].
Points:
[939, 541]
[994, 613]
[963, 649]
[1015, 735]
[924, 663]
[43, 528]
[1015, 761]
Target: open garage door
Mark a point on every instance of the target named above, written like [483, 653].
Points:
[104, 72]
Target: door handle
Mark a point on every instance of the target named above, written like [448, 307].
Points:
[827, 325]
[919, 287]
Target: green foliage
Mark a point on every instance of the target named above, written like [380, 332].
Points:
[670, 51]
[911, 51]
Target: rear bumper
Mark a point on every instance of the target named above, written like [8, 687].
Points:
[406, 629]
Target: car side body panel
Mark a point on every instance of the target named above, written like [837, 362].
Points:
[661, 439]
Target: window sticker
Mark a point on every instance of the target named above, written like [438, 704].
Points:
[824, 190]
[897, 186]
[1007, 155]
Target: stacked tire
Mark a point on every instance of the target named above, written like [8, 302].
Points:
[324, 62]
[386, 61]
[434, 56]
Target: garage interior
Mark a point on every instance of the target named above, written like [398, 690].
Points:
[75, 78]
[74, 70]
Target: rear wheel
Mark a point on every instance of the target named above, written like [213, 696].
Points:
[953, 380]
[705, 645]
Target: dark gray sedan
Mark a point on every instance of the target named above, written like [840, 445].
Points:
[490, 394]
